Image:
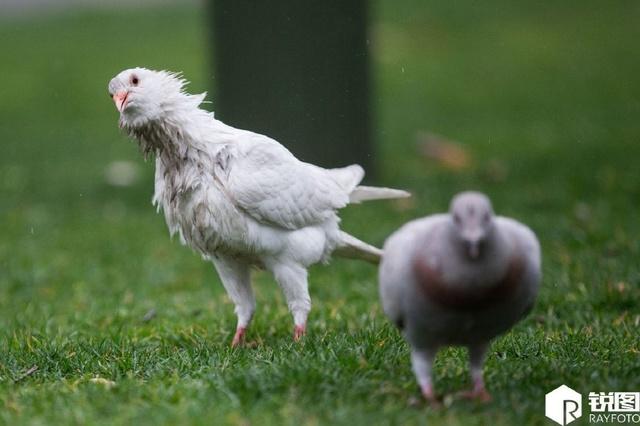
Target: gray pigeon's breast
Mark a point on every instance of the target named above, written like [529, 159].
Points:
[454, 314]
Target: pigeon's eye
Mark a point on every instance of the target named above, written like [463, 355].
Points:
[457, 219]
[134, 80]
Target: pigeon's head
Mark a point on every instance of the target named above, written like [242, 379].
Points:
[472, 219]
[143, 95]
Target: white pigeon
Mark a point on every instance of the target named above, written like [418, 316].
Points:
[238, 198]
[458, 279]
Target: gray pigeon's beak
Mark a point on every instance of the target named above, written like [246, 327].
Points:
[473, 249]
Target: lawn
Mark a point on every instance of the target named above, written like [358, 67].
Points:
[126, 326]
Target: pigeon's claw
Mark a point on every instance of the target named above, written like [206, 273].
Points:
[299, 331]
[238, 338]
[479, 393]
[430, 396]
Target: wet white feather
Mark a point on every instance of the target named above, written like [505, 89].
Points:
[234, 196]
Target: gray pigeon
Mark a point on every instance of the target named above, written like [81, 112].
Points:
[458, 279]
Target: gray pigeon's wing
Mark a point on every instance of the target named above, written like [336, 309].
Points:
[529, 248]
[396, 276]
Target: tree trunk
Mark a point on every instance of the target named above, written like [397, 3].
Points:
[298, 72]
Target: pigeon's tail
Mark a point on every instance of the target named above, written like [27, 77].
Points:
[349, 177]
[352, 248]
[365, 193]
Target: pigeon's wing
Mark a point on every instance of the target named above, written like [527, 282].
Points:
[526, 241]
[266, 181]
[528, 247]
[396, 274]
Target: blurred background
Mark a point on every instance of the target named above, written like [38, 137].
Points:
[535, 103]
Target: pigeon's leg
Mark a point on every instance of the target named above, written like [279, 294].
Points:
[292, 278]
[422, 362]
[236, 279]
[476, 357]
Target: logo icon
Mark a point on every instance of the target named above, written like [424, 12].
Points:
[563, 405]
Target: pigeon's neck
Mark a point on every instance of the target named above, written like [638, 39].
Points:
[494, 248]
[155, 137]
[458, 282]
[467, 294]
[174, 135]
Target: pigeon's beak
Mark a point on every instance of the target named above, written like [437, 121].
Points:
[473, 239]
[120, 99]
[473, 249]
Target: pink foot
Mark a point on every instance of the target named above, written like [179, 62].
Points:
[299, 331]
[429, 394]
[478, 393]
[238, 339]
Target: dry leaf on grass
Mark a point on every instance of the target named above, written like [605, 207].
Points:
[403, 204]
[449, 154]
[495, 171]
[151, 314]
[122, 173]
[26, 374]
[104, 382]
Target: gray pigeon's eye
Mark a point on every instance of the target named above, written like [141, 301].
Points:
[134, 80]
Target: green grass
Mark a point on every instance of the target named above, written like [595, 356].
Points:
[546, 94]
